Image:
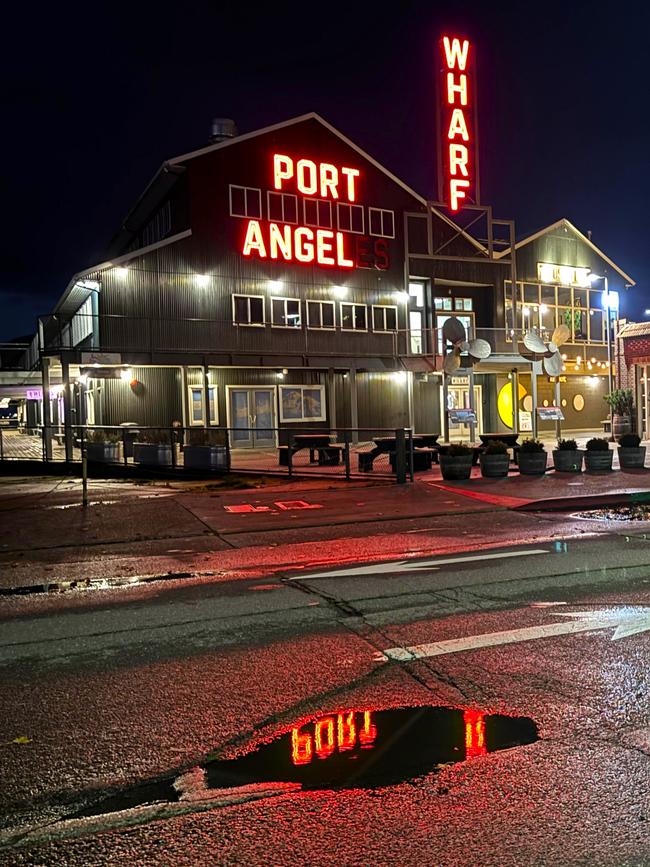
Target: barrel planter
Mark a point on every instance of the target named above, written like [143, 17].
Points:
[206, 458]
[621, 424]
[567, 461]
[103, 453]
[494, 466]
[631, 458]
[456, 467]
[152, 454]
[532, 463]
[598, 461]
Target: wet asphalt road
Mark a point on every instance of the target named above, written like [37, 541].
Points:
[115, 687]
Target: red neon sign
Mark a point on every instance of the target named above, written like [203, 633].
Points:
[341, 732]
[474, 734]
[458, 175]
[312, 178]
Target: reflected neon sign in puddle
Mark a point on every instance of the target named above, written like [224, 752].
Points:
[358, 748]
[344, 750]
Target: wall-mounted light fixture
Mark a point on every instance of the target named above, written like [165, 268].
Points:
[202, 279]
[339, 291]
[122, 272]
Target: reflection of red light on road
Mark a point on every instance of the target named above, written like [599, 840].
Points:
[346, 731]
[324, 737]
[301, 748]
[368, 732]
[474, 733]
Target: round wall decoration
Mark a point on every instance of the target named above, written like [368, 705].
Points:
[578, 402]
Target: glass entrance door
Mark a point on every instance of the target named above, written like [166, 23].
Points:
[252, 417]
[458, 398]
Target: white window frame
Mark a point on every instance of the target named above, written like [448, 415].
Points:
[214, 402]
[246, 190]
[350, 208]
[381, 212]
[286, 298]
[331, 304]
[261, 324]
[384, 308]
[283, 197]
[352, 304]
[302, 386]
[318, 203]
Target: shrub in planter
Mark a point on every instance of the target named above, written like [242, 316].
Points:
[495, 460]
[456, 463]
[621, 400]
[103, 446]
[598, 457]
[631, 454]
[532, 458]
[153, 449]
[567, 457]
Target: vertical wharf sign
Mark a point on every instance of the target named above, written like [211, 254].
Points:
[458, 172]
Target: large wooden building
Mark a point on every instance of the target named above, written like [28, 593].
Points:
[285, 278]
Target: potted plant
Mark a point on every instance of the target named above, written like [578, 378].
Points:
[621, 401]
[598, 457]
[206, 450]
[495, 460]
[531, 458]
[631, 455]
[567, 457]
[153, 449]
[103, 446]
[456, 462]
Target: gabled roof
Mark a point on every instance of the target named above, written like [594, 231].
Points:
[292, 122]
[564, 223]
[635, 329]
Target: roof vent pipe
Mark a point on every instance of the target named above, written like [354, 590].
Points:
[222, 128]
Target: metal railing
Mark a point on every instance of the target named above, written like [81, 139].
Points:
[292, 452]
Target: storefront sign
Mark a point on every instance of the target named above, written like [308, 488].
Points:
[550, 413]
[101, 358]
[462, 416]
[327, 222]
[458, 157]
[34, 394]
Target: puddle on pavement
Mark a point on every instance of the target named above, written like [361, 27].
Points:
[350, 749]
[617, 513]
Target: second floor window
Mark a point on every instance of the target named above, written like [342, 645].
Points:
[320, 314]
[384, 318]
[382, 222]
[282, 207]
[318, 212]
[350, 217]
[245, 202]
[248, 309]
[286, 312]
[354, 317]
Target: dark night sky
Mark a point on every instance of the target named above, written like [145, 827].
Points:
[98, 94]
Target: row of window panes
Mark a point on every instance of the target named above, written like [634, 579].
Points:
[585, 325]
[284, 208]
[287, 313]
[448, 303]
[544, 307]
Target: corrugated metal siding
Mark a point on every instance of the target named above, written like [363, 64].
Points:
[156, 400]
[382, 401]
[426, 405]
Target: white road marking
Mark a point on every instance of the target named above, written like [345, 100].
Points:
[628, 620]
[412, 565]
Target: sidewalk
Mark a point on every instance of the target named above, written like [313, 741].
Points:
[135, 530]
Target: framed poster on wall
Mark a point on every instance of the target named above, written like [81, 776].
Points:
[302, 403]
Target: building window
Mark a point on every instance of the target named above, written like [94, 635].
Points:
[248, 309]
[384, 318]
[544, 306]
[353, 317]
[318, 212]
[382, 223]
[302, 403]
[158, 227]
[443, 303]
[245, 202]
[282, 207]
[320, 314]
[285, 313]
[196, 405]
[463, 304]
[350, 217]
[467, 320]
[416, 290]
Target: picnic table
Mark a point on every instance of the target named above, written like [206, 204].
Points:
[321, 450]
[385, 445]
